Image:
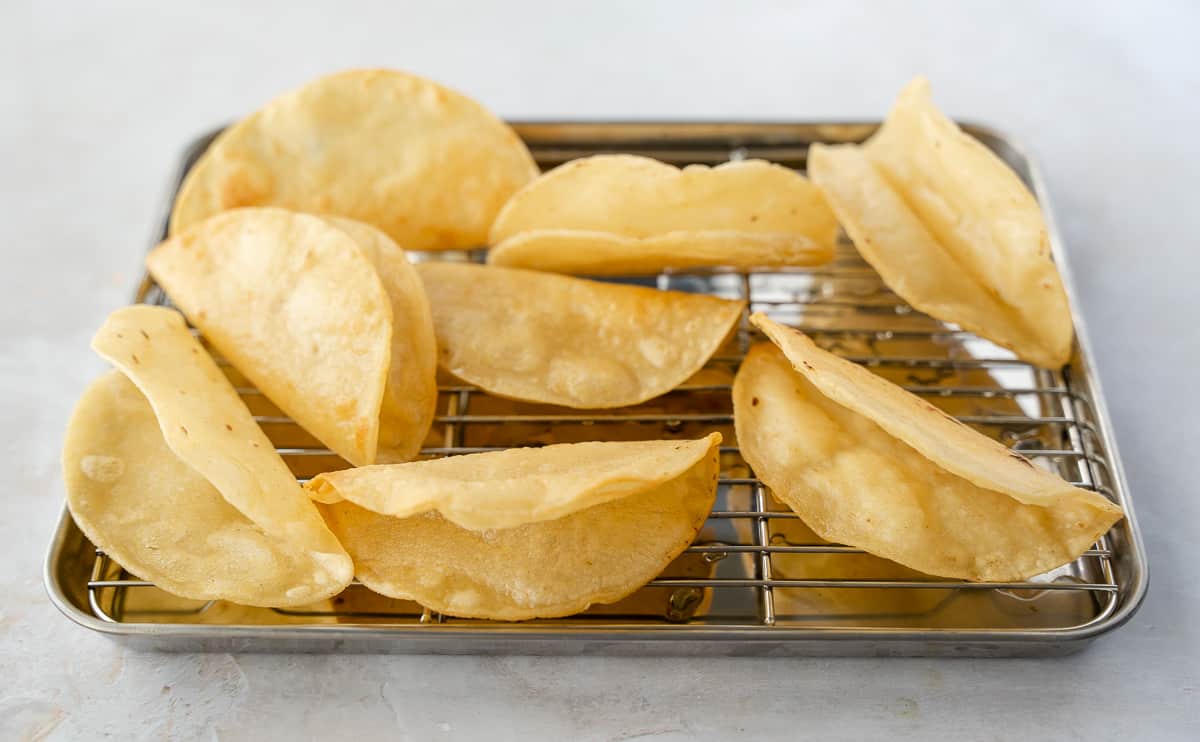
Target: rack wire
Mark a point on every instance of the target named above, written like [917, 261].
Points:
[754, 565]
[1048, 424]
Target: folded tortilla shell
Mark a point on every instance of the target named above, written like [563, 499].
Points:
[598, 549]
[625, 214]
[427, 165]
[867, 464]
[169, 474]
[567, 341]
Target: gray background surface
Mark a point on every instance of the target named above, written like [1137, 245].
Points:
[97, 104]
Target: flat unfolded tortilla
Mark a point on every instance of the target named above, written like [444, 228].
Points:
[428, 166]
[567, 341]
[950, 228]
[168, 473]
[608, 535]
[867, 464]
[625, 214]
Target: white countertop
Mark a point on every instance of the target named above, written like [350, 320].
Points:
[98, 104]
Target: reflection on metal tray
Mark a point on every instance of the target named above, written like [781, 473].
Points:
[756, 581]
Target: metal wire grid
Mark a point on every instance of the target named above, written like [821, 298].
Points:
[1065, 413]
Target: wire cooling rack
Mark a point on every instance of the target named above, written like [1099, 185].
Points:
[756, 579]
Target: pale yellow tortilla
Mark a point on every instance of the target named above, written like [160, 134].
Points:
[503, 489]
[163, 521]
[867, 464]
[608, 254]
[410, 394]
[297, 306]
[428, 166]
[910, 260]
[586, 344]
[950, 228]
[979, 209]
[613, 214]
[167, 471]
[597, 554]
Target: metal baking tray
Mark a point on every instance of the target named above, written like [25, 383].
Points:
[750, 585]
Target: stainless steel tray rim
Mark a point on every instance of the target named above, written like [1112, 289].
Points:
[425, 637]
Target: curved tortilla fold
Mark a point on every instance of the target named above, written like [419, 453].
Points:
[599, 549]
[428, 166]
[503, 489]
[567, 341]
[625, 214]
[167, 471]
[410, 394]
[865, 463]
[950, 228]
[312, 311]
[607, 254]
[908, 257]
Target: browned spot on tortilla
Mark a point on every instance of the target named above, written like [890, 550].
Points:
[244, 186]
